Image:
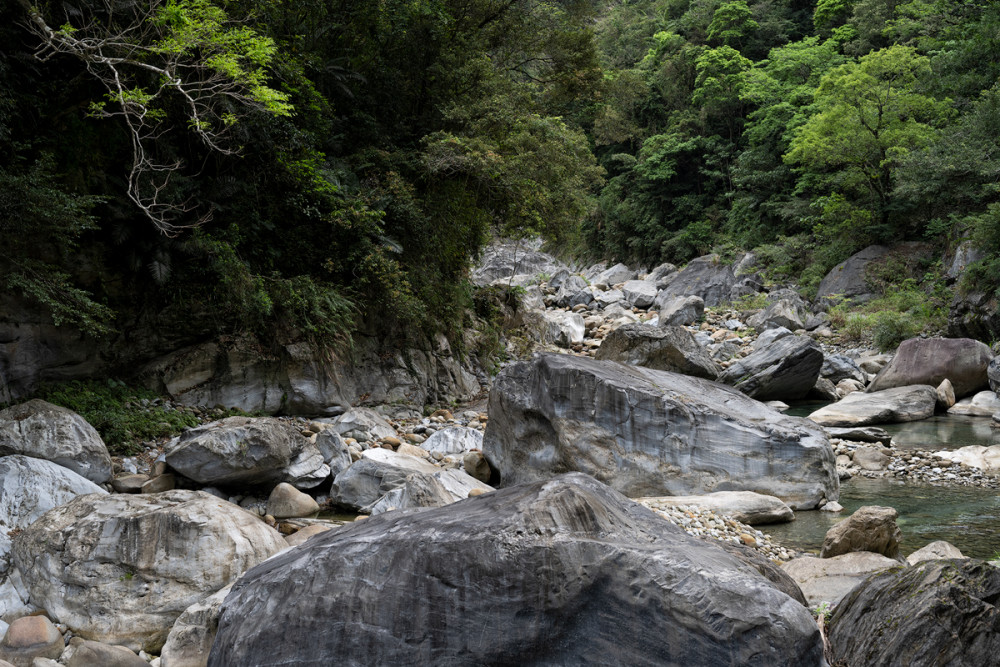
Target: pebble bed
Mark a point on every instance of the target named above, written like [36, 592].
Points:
[917, 466]
[706, 523]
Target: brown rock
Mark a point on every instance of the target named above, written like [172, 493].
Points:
[445, 414]
[392, 441]
[476, 492]
[870, 458]
[748, 539]
[287, 502]
[476, 466]
[159, 484]
[83, 653]
[159, 468]
[129, 483]
[871, 528]
[303, 534]
[963, 361]
[30, 637]
[412, 450]
[945, 395]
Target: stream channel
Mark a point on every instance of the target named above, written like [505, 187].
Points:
[968, 517]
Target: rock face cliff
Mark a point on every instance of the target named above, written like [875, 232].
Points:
[650, 433]
[562, 572]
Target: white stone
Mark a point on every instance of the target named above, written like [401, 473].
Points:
[983, 404]
[456, 440]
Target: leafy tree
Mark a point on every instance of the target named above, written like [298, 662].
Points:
[732, 24]
[870, 116]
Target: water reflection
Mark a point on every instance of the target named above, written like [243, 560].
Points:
[967, 517]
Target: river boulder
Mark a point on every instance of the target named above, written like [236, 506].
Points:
[847, 279]
[545, 573]
[120, 569]
[937, 550]
[790, 313]
[51, 432]
[190, 639]
[28, 489]
[248, 451]
[870, 528]
[650, 433]
[639, 293]
[982, 404]
[785, 370]
[889, 406]
[963, 361]
[679, 310]
[941, 612]
[663, 348]
[828, 580]
[706, 277]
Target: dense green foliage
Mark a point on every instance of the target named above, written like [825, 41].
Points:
[302, 169]
[806, 129]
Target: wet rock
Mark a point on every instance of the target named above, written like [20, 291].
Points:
[121, 568]
[828, 580]
[860, 434]
[650, 433]
[940, 612]
[785, 370]
[870, 528]
[902, 404]
[963, 361]
[934, 551]
[53, 433]
[570, 551]
[243, 450]
[662, 348]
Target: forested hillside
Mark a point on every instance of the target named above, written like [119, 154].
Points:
[302, 168]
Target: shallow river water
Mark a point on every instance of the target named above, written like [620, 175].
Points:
[968, 517]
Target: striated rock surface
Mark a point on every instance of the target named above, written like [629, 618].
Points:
[941, 612]
[785, 370]
[190, 639]
[120, 569]
[243, 450]
[650, 433]
[963, 361]
[705, 277]
[53, 433]
[545, 573]
[663, 348]
[902, 404]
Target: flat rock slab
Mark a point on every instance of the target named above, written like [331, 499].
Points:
[983, 404]
[941, 612]
[828, 580]
[745, 506]
[860, 434]
[981, 457]
[650, 433]
[963, 361]
[901, 404]
[547, 573]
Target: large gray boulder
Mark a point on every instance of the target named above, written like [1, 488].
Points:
[790, 313]
[650, 433]
[837, 367]
[543, 568]
[847, 279]
[363, 420]
[619, 273]
[679, 310]
[190, 639]
[663, 348]
[248, 451]
[941, 612]
[828, 580]
[870, 528]
[982, 404]
[993, 374]
[974, 315]
[639, 293]
[454, 440]
[706, 277]
[120, 569]
[503, 260]
[53, 433]
[563, 328]
[383, 479]
[963, 361]
[902, 404]
[28, 489]
[785, 370]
